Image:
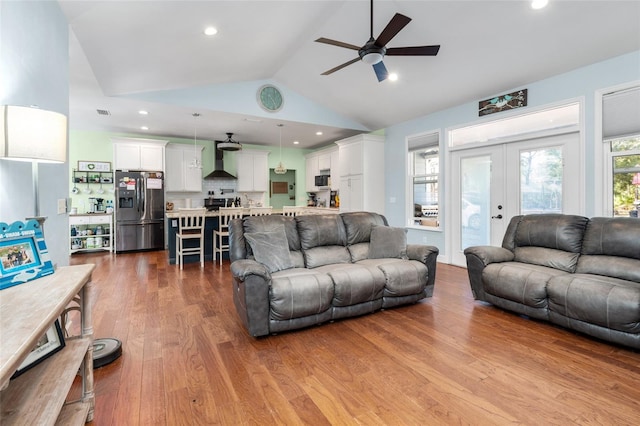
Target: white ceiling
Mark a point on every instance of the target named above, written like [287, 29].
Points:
[123, 49]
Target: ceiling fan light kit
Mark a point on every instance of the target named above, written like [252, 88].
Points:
[229, 144]
[374, 50]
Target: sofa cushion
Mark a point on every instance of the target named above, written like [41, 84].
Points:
[402, 277]
[554, 231]
[609, 302]
[358, 225]
[299, 294]
[326, 255]
[520, 282]
[558, 259]
[320, 230]
[618, 236]
[359, 251]
[353, 284]
[387, 241]
[270, 249]
[274, 222]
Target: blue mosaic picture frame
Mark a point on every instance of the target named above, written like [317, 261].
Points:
[23, 253]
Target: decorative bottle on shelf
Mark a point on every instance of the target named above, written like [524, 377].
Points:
[74, 231]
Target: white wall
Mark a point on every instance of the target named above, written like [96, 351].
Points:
[582, 82]
[34, 60]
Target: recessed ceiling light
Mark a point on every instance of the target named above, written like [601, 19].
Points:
[144, 128]
[318, 133]
[296, 142]
[143, 112]
[210, 31]
[539, 4]
[393, 76]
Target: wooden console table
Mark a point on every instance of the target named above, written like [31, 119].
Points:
[37, 397]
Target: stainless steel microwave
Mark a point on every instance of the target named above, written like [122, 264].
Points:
[323, 180]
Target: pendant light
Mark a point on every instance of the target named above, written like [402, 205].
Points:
[280, 169]
[195, 163]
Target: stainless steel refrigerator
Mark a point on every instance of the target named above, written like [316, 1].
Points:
[139, 210]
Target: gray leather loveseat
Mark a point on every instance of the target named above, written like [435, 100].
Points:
[293, 272]
[580, 273]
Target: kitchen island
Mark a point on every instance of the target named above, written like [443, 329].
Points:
[211, 223]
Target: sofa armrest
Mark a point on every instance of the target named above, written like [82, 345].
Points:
[242, 268]
[478, 257]
[427, 255]
[251, 284]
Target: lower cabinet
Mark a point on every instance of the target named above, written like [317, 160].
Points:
[351, 194]
[89, 232]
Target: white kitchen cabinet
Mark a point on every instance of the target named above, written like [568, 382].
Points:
[311, 162]
[319, 163]
[324, 161]
[138, 154]
[253, 170]
[335, 169]
[362, 173]
[179, 175]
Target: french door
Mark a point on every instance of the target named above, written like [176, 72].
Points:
[492, 184]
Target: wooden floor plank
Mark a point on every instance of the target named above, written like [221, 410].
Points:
[448, 359]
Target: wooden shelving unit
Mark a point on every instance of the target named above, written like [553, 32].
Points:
[39, 395]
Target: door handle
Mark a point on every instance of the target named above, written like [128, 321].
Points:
[497, 217]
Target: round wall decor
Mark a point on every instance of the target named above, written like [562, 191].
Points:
[270, 98]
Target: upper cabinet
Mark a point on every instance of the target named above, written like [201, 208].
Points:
[324, 162]
[253, 170]
[362, 173]
[181, 176]
[138, 154]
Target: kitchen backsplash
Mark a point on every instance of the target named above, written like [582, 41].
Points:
[221, 188]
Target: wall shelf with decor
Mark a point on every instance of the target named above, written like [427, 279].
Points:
[92, 177]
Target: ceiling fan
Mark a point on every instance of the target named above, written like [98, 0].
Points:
[375, 49]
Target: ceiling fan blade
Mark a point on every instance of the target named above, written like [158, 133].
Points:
[381, 71]
[397, 23]
[414, 51]
[339, 67]
[337, 43]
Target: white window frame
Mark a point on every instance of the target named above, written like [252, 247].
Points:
[410, 176]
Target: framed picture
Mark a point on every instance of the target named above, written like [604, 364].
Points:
[23, 253]
[50, 343]
[94, 166]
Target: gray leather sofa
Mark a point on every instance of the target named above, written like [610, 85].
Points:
[579, 273]
[294, 272]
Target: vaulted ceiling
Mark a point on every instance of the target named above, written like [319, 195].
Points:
[153, 55]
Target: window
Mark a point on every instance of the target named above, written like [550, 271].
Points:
[621, 137]
[625, 165]
[424, 171]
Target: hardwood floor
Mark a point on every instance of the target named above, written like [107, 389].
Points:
[445, 360]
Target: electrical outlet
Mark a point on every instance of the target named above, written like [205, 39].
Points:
[174, 223]
[392, 199]
[62, 205]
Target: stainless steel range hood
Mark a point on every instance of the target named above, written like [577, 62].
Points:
[218, 171]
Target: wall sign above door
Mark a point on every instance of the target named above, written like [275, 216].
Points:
[503, 102]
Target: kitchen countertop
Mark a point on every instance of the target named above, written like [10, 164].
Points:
[245, 210]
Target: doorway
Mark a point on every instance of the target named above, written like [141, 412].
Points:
[492, 184]
[282, 189]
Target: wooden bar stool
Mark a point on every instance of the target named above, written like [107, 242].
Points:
[220, 245]
[190, 228]
[260, 211]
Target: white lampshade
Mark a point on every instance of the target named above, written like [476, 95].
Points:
[32, 134]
